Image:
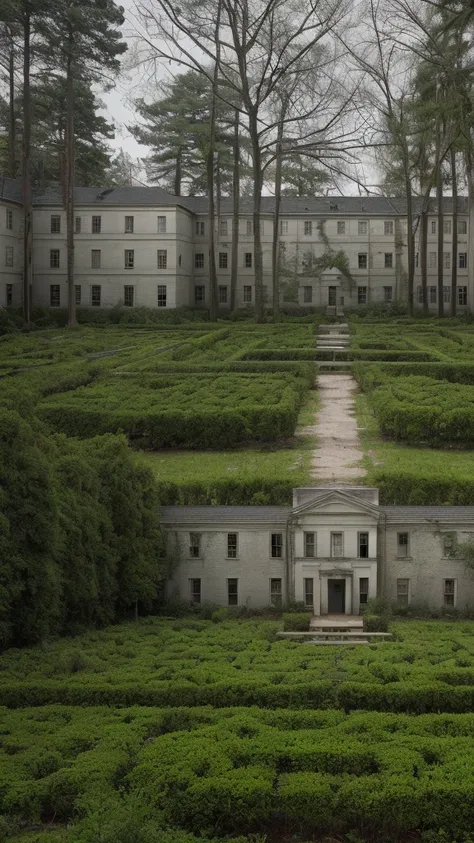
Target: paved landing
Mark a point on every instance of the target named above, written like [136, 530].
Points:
[338, 448]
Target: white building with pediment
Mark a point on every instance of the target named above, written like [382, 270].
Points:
[332, 550]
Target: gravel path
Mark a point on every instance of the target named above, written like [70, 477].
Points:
[335, 429]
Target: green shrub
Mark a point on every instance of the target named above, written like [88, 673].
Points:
[296, 622]
[376, 623]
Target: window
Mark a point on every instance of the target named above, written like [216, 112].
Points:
[248, 260]
[447, 226]
[232, 592]
[129, 259]
[307, 295]
[247, 295]
[222, 295]
[341, 227]
[55, 224]
[200, 228]
[129, 225]
[388, 260]
[362, 260]
[433, 226]
[161, 301]
[363, 545]
[449, 591]
[222, 260]
[249, 227]
[232, 545]
[337, 545]
[275, 592]
[162, 258]
[199, 294]
[308, 592]
[387, 294]
[462, 226]
[78, 225]
[96, 225]
[388, 227]
[128, 295]
[8, 255]
[195, 545]
[362, 227]
[8, 295]
[195, 590]
[277, 545]
[446, 295]
[462, 260]
[402, 592]
[462, 295]
[417, 259]
[95, 258]
[308, 228]
[402, 544]
[95, 295]
[54, 295]
[310, 545]
[9, 220]
[54, 258]
[77, 289]
[432, 295]
[363, 590]
[361, 295]
[283, 226]
[199, 260]
[419, 295]
[161, 225]
[223, 226]
[449, 544]
[432, 260]
[447, 260]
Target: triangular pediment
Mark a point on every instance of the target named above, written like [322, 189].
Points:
[337, 501]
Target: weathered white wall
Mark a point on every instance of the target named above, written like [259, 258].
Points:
[10, 237]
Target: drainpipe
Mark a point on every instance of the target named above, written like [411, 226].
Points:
[290, 559]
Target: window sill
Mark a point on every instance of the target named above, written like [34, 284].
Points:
[232, 559]
[407, 558]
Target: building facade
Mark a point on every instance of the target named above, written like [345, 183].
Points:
[333, 549]
[140, 246]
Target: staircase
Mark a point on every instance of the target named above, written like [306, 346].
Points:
[333, 338]
[333, 630]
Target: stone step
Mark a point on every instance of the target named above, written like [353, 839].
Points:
[337, 643]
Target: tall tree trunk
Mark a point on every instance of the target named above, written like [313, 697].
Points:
[235, 212]
[257, 205]
[177, 174]
[440, 223]
[218, 190]
[11, 111]
[210, 178]
[276, 225]
[470, 254]
[424, 258]
[70, 179]
[26, 169]
[454, 234]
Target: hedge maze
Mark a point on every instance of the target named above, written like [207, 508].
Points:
[202, 731]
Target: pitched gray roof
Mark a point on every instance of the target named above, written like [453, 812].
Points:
[113, 196]
[462, 205]
[10, 189]
[428, 513]
[225, 514]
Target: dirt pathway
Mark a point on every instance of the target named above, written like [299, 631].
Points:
[335, 429]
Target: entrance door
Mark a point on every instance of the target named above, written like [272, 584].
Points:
[332, 296]
[336, 597]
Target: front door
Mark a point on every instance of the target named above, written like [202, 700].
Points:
[332, 296]
[336, 597]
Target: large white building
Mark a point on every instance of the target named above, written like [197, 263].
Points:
[141, 246]
[333, 549]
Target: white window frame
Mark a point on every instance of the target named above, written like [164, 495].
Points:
[223, 228]
[95, 258]
[341, 227]
[195, 545]
[77, 225]
[447, 295]
[161, 295]
[447, 226]
[462, 296]
[432, 294]
[388, 294]
[249, 227]
[362, 592]
[308, 228]
[247, 294]
[388, 260]
[283, 226]
[223, 260]
[9, 219]
[222, 291]
[403, 554]
[78, 294]
[9, 255]
[362, 228]
[432, 262]
[96, 297]
[447, 260]
[8, 295]
[359, 544]
[308, 592]
[403, 591]
[55, 224]
[450, 593]
[232, 545]
[54, 295]
[362, 294]
[248, 260]
[433, 226]
[162, 258]
[200, 228]
[232, 596]
[362, 260]
[337, 544]
[195, 593]
[309, 543]
[276, 545]
[462, 260]
[128, 295]
[96, 226]
[129, 259]
[462, 226]
[129, 225]
[54, 259]
[276, 592]
[199, 297]
[388, 228]
[199, 260]
[161, 225]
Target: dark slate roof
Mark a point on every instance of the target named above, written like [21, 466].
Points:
[428, 513]
[10, 189]
[462, 205]
[113, 196]
[227, 514]
[300, 205]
